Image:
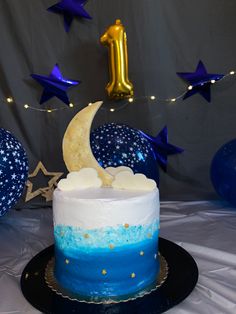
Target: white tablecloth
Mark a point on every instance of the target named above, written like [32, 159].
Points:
[207, 230]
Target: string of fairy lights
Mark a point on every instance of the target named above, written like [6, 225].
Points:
[10, 100]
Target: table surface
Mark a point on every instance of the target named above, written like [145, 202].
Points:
[207, 230]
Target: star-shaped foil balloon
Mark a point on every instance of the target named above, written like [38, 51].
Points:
[70, 9]
[162, 148]
[54, 85]
[200, 81]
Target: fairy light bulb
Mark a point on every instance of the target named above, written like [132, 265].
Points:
[213, 81]
[26, 106]
[190, 87]
[231, 72]
[131, 99]
[71, 105]
[173, 99]
[90, 104]
[9, 100]
[112, 109]
[153, 97]
[49, 110]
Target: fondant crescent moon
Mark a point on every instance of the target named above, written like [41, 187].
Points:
[76, 147]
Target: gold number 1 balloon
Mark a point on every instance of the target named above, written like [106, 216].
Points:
[115, 39]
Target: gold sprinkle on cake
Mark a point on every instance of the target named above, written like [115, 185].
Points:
[111, 246]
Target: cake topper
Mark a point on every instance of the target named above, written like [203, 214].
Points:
[76, 147]
[127, 180]
[85, 178]
[114, 170]
[123, 179]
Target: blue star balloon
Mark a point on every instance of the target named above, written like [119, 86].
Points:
[223, 172]
[200, 81]
[13, 170]
[116, 145]
[54, 85]
[162, 148]
[70, 9]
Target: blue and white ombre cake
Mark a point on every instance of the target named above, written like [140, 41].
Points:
[106, 238]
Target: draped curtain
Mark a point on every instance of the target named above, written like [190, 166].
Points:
[164, 37]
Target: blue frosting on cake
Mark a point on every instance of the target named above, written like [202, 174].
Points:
[109, 261]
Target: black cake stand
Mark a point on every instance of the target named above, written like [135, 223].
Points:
[182, 278]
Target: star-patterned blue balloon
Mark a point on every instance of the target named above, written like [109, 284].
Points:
[161, 147]
[116, 145]
[223, 172]
[55, 85]
[70, 9]
[200, 81]
[13, 170]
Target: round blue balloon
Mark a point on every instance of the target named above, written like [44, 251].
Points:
[13, 170]
[223, 172]
[116, 145]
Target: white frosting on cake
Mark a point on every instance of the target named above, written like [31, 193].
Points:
[101, 207]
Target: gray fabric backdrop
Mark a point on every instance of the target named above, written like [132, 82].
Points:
[164, 37]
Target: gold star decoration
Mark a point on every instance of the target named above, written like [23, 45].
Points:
[45, 192]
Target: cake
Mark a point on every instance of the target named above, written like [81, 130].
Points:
[106, 222]
[106, 238]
